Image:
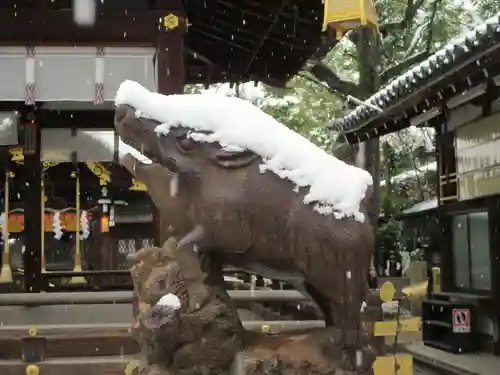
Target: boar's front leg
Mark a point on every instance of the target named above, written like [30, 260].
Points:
[191, 270]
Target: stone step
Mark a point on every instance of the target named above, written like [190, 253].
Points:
[38, 343]
[102, 365]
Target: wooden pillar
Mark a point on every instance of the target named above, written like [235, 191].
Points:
[171, 77]
[494, 220]
[32, 206]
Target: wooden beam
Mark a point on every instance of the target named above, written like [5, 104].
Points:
[34, 27]
[263, 38]
[82, 298]
[170, 58]
[97, 119]
[33, 210]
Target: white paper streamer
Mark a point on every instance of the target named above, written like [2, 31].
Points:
[56, 225]
[30, 69]
[84, 225]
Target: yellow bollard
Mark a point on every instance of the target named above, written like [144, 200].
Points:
[397, 363]
[131, 367]
[416, 291]
[32, 370]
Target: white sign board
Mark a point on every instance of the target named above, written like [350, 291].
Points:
[461, 320]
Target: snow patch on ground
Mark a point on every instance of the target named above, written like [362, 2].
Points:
[334, 186]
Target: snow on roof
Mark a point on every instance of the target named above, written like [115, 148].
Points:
[413, 173]
[422, 206]
[445, 58]
[233, 122]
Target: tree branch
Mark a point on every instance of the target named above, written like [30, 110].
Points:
[412, 6]
[431, 22]
[319, 83]
[388, 27]
[324, 74]
[326, 46]
[397, 69]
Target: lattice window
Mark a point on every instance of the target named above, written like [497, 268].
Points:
[147, 242]
[126, 246]
[129, 246]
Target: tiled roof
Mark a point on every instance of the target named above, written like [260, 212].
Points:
[443, 60]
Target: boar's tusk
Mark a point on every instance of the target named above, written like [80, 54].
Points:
[195, 235]
[174, 186]
[231, 159]
[169, 247]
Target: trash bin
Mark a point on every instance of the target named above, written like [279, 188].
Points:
[450, 326]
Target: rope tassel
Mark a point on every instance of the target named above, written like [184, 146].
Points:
[6, 272]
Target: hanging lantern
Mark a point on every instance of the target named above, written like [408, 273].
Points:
[104, 224]
[345, 15]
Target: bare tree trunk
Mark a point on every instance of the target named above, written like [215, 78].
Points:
[386, 149]
[368, 52]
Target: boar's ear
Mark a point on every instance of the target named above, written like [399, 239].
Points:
[235, 159]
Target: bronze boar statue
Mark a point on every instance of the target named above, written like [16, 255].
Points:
[218, 200]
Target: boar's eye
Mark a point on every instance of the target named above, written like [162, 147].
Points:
[186, 145]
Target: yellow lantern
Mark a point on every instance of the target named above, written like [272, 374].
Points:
[345, 15]
[104, 224]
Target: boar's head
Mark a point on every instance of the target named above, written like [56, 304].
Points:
[183, 172]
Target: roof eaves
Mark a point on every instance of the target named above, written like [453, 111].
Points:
[443, 60]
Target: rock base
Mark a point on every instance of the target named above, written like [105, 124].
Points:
[203, 335]
[316, 352]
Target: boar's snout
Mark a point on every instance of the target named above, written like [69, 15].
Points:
[120, 113]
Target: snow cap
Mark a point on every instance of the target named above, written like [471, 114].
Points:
[333, 187]
[170, 300]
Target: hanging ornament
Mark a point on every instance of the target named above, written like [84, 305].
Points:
[84, 225]
[57, 226]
